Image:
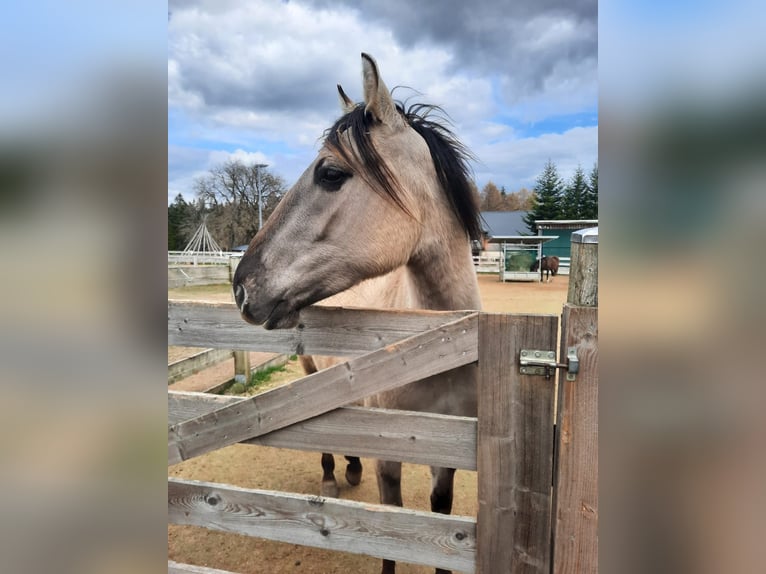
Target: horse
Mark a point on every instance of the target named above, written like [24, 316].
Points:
[548, 264]
[383, 217]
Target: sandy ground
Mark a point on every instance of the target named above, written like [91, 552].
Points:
[294, 471]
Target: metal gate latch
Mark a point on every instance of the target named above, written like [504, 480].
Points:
[535, 362]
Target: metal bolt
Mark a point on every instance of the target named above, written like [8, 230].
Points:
[537, 353]
[523, 353]
[551, 354]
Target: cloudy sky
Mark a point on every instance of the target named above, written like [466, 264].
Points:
[256, 80]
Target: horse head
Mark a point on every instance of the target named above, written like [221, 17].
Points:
[361, 209]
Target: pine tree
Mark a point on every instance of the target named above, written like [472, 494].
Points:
[177, 214]
[546, 202]
[590, 210]
[574, 200]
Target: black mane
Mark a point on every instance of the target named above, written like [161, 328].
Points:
[450, 158]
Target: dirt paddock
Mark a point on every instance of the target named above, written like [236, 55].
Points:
[295, 471]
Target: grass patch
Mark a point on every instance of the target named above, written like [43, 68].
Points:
[257, 379]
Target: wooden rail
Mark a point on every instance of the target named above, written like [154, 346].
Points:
[334, 331]
[424, 438]
[412, 536]
[188, 366]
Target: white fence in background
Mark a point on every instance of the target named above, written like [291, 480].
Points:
[487, 262]
[201, 257]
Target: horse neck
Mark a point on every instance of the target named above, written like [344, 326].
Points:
[443, 276]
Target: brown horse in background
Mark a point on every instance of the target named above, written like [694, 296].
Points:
[548, 265]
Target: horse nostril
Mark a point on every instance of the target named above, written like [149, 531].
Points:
[240, 296]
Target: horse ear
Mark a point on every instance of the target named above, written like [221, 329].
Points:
[346, 104]
[377, 99]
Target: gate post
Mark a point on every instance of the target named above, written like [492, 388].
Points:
[575, 486]
[515, 447]
[241, 367]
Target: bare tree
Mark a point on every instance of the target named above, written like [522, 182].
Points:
[491, 199]
[497, 199]
[519, 200]
[238, 196]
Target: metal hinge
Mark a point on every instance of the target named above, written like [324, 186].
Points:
[535, 362]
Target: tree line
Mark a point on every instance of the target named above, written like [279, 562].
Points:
[492, 198]
[228, 196]
[551, 197]
[556, 199]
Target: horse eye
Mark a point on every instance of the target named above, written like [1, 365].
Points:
[331, 178]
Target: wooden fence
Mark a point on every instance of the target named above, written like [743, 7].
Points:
[195, 363]
[537, 513]
[206, 358]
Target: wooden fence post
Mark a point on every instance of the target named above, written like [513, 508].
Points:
[514, 447]
[583, 269]
[575, 488]
[241, 367]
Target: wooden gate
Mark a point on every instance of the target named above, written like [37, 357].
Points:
[528, 502]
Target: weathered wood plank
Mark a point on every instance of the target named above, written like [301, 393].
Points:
[382, 531]
[190, 365]
[185, 405]
[583, 275]
[323, 330]
[422, 438]
[576, 477]
[441, 349]
[515, 447]
[241, 366]
[178, 568]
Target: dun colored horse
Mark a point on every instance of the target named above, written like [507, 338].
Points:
[382, 217]
[548, 265]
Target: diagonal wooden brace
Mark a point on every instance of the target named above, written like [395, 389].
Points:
[447, 347]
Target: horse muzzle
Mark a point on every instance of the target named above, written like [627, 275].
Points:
[274, 314]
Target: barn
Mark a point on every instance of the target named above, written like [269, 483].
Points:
[561, 232]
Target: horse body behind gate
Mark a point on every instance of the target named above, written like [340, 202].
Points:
[381, 218]
[393, 290]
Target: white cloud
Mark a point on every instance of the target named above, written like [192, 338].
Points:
[260, 77]
[548, 32]
[185, 165]
[522, 160]
[246, 157]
